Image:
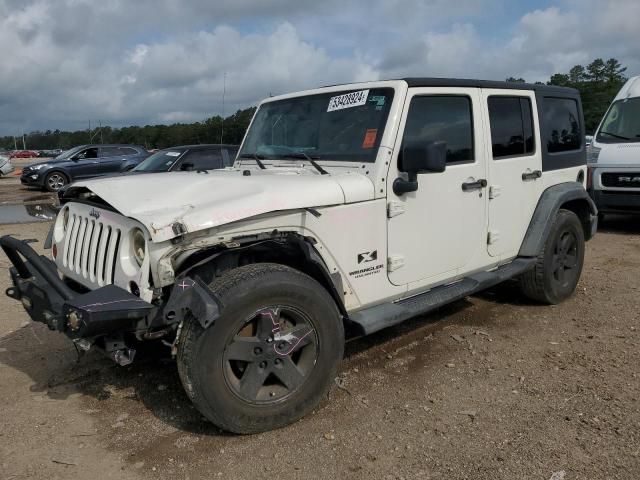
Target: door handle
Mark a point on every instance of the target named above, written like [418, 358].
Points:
[526, 176]
[477, 185]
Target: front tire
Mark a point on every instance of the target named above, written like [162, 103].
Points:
[557, 271]
[54, 181]
[270, 357]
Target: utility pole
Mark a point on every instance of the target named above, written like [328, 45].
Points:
[90, 131]
[224, 92]
[24, 145]
[101, 139]
[15, 143]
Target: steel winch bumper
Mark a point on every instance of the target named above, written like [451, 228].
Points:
[106, 311]
[48, 299]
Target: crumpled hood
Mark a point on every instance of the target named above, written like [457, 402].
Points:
[203, 200]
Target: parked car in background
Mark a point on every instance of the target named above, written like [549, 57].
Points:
[6, 167]
[50, 153]
[189, 157]
[85, 161]
[614, 155]
[23, 154]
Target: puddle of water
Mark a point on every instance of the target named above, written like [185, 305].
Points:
[39, 212]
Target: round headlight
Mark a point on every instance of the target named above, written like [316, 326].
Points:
[139, 245]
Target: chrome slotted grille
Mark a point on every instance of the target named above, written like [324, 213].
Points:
[91, 248]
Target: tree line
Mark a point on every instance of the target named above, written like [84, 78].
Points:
[211, 130]
[598, 84]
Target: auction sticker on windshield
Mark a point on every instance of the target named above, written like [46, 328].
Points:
[348, 100]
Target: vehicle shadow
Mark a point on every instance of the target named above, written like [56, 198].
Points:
[50, 360]
[623, 224]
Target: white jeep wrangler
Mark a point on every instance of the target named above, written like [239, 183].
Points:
[349, 209]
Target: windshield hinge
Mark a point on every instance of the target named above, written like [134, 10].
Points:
[394, 209]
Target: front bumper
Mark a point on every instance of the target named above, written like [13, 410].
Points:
[79, 315]
[26, 179]
[616, 201]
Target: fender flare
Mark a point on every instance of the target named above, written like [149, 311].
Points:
[551, 200]
[190, 295]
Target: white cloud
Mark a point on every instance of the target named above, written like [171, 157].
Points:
[67, 61]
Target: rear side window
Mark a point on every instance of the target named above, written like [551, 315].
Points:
[109, 151]
[202, 160]
[229, 156]
[511, 126]
[562, 124]
[127, 151]
[445, 118]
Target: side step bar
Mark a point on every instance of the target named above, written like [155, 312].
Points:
[376, 318]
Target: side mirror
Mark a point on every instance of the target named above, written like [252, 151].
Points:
[186, 167]
[417, 158]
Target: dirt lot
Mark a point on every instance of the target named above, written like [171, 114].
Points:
[492, 387]
[12, 192]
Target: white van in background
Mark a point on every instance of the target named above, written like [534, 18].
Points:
[614, 155]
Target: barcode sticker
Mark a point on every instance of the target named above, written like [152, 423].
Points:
[348, 100]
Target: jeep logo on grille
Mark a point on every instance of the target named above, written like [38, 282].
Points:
[629, 179]
[94, 213]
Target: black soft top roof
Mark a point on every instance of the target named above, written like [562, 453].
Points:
[463, 82]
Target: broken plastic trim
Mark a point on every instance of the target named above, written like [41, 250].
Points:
[191, 296]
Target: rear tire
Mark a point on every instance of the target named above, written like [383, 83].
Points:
[270, 357]
[557, 271]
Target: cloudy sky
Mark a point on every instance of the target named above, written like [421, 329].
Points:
[124, 62]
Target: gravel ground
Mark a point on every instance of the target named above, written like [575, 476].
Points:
[491, 387]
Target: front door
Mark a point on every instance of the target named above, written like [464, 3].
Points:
[85, 163]
[514, 168]
[439, 231]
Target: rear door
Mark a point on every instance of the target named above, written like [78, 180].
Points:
[515, 167]
[112, 159]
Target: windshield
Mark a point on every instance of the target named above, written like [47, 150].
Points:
[159, 162]
[69, 153]
[343, 126]
[622, 122]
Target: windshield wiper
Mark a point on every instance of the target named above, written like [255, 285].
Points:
[615, 135]
[256, 158]
[307, 157]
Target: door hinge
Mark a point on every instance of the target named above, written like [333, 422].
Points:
[394, 209]
[394, 262]
[493, 236]
[494, 191]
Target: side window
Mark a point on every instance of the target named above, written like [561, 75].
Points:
[202, 160]
[127, 151]
[511, 126]
[109, 152]
[562, 124]
[445, 118]
[229, 156]
[88, 153]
